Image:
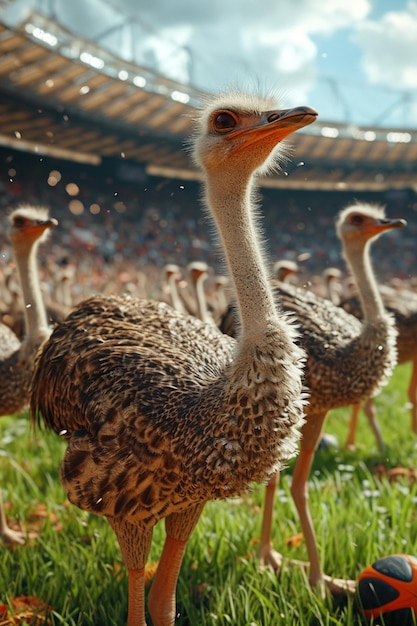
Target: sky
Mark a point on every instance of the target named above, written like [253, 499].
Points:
[355, 61]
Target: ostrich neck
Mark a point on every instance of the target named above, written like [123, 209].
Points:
[361, 267]
[36, 324]
[333, 293]
[175, 299]
[201, 300]
[231, 207]
[66, 293]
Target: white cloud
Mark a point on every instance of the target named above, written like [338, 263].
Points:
[389, 48]
[229, 40]
[327, 16]
[283, 58]
[259, 14]
[218, 42]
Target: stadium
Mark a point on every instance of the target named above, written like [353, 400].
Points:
[152, 397]
[118, 131]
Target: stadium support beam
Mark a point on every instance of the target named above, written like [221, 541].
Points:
[51, 151]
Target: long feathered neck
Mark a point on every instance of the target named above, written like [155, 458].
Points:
[358, 258]
[200, 296]
[231, 205]
[173, 292]
[36, 323]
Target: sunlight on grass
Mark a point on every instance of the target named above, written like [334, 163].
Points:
[363, 503]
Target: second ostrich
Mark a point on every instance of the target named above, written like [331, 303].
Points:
[162, 412]
[28, 227]
[346, 362]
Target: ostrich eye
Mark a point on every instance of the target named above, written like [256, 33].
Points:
[357, 219]
[224, 121]
[19, 221]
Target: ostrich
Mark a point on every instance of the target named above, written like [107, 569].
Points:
[220, 296]
[346, 362]
[284, 269]
[198, 272]
[332, 277]
[172, 276]
[161, 411]
[28, 227]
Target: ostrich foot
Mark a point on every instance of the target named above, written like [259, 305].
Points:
[338, 586]
[351, 446]
[323, 584]
[13, 536]
[272, 558]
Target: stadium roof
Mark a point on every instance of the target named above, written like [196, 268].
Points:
[69, 98]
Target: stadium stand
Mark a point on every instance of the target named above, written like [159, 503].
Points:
[101, 142]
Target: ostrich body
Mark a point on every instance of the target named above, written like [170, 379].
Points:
[162, 412]
[27, 229]
[346, 362]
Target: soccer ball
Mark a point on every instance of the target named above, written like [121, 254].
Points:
[388, 588]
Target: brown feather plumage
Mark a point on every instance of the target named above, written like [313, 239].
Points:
[146, 355]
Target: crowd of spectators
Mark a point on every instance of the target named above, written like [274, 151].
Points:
[111, 225]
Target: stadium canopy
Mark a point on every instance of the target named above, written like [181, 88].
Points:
[69, 98]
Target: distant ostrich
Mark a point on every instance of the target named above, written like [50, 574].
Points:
[332, 277]
[198, 272]
[162, 412]
[221, 295]
[284, 269]
[28, 226]
[173, 275]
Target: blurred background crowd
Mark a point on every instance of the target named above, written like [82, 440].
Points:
[116, 233]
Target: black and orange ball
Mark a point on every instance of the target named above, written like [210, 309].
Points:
[388, 588]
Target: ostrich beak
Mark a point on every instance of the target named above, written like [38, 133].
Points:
[274, 124]
[386, 224]
[43, 224]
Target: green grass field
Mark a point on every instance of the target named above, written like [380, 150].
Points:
[74, 564]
